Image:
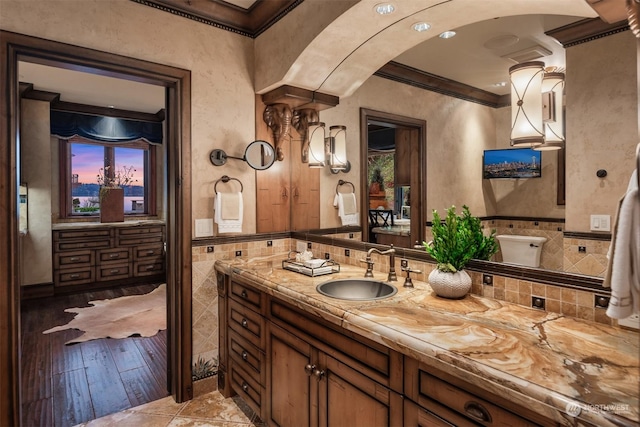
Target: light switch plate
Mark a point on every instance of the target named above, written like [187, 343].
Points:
[204, 227]
[600, 222]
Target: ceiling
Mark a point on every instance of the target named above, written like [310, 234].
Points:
[477, 56]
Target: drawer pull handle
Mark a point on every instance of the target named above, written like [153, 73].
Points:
[245, 387]
[74, 259]
[114, 255]
[243, 294]
[244, 323]
[150, 267]
[244, 355]
[74, 276]
[309, 368]
[114, 270]
[477, 411]
[150, 252]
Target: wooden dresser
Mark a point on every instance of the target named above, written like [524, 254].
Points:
[106, 255]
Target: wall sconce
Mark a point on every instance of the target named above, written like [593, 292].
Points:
[322, 150]
[527, 127]
[553, 111]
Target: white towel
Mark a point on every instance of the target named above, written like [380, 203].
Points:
[228, 212]
[347, 210]
[623, 271]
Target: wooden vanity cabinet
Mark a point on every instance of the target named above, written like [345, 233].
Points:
[438, 395]
[106, 254]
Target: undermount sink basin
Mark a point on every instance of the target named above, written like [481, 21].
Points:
[357, 289]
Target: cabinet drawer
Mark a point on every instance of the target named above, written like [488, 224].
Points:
[74, 276]
[74, 245]
[148, 251]
[247, 296]
[113, 255]
[148, 268]
[425, 388]
[113, 271]
[247, 323]
[435, 416]
[247, 356]
[60, 235]
[139, 240]
[245, 386]
[76, 259]
[140, 231]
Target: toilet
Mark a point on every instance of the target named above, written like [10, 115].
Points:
[521, 250]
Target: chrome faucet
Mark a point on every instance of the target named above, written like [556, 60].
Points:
[392, 263]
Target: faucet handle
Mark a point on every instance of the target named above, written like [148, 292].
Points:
[369, 272]
[407, 281]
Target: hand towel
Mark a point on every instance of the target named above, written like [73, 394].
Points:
[623, 270]
[344, 201]
[228, 212]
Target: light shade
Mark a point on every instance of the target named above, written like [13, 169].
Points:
[338, 154]
[317, 153]
[527, 127]
[553, 111]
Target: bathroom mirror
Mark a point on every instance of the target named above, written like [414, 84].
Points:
[260, 155]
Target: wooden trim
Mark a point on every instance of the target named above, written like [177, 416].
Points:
[177, 81]
[586, 30]
[298, 98]
[40, 290]
[221, 240]
[248, 22]
[104, 111]
[517, 218]
[412, 76]
[587, 235]
[561, 178]
[28, 92]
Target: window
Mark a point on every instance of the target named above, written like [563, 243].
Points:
[82, 160]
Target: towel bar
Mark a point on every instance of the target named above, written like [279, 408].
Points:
[226, 179]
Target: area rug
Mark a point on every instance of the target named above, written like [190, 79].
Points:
[122, 317]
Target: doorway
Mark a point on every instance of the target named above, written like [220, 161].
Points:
[393, 179]
[16, 47]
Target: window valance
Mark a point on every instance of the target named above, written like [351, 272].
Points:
[66, 125]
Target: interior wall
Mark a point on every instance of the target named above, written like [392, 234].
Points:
[602, 125]
[221, 64]
[36, 171]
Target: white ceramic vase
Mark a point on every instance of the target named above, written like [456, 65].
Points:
[450, 285]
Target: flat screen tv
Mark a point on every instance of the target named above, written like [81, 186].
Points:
[512, 163]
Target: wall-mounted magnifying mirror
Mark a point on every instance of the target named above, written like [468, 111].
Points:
[260, 155]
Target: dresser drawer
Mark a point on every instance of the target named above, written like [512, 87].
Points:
[245, 386]
[61, 235]
[247, 323]
[247, 356]
[148, 251]
[113, 271]
[74, 276]
[75, 259]
[148, 268]
[141, 231]
[139, 235]
[106, 256]
[248, 296]
[74, 245]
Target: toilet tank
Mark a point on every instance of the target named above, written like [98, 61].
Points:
[521, 250]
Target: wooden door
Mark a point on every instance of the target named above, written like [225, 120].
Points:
[349, 398]
[305, 191]
[273, 197]
[409, 172]
[290, 388]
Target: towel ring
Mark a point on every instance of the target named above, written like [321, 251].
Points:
[226, 179]
[342, 182]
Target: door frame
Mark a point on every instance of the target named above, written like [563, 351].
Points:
[418, 203]
[15, 47]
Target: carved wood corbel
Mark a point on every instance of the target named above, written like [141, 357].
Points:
[300, 121]
[278, 119]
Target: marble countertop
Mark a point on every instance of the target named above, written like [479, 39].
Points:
[396, 230]
[94, 224]
[564, 368]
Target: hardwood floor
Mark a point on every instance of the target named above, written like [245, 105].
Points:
[67, 385]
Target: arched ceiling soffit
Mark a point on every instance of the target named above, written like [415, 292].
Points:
[349, 49]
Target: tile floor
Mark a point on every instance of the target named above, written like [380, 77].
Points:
[211, 409]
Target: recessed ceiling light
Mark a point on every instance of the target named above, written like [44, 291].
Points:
[421, 26]
[384, 8]
[111, 106]
[500, 84]
[447, 34]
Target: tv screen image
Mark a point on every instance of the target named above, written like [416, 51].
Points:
[512, 163]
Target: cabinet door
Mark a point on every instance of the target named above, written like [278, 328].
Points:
[305, 192]
[348, 398]
[290, 387]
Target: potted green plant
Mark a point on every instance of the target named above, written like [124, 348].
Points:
[456, 240]
[377, 182]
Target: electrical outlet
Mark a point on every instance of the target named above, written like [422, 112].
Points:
[209, 249]
[327, 255]
[632, 321]
[347, 252]
[269, 243]
[238, 253]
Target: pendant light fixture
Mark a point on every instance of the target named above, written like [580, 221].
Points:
[527, 127]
